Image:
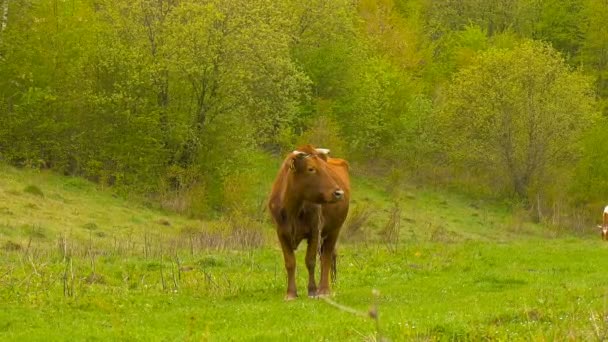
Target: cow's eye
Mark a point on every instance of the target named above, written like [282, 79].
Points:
[311, 170]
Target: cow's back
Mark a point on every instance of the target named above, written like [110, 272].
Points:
[275, 202]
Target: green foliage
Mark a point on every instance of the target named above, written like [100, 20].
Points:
[371, 116]
[559, 24]
[591, 177]
[494, 16]
[324, 131]
[472, 291]
[594, 47]
[520, 113]
[172, 99]
[190, 103]
[464, 266]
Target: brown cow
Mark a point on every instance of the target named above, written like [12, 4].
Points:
[309, 200]
[604, 226]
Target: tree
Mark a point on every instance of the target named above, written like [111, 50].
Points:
[591, 174]
[515, 115]
[559, 24]
[4, 20]
[594, 47]
[452, 15]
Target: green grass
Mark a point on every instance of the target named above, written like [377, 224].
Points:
[73, 208]
[91, 266]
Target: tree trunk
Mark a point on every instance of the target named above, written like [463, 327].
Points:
[3, 21]
[4, 15]
[163, 104]
[519, 187]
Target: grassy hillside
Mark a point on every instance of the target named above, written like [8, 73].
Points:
[43, 207]
[79, 263]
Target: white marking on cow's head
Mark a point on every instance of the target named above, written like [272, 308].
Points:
[606, 210]
[300, 154]
[322, 150]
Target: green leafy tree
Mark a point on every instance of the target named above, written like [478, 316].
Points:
[559, 25]
[591, 174]
[182, 99]
[494, 16]
[41, 57]
[372, 114]
[326, 46]
[594, 46]
[516, 115]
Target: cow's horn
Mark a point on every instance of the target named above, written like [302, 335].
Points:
[322, 150]
[300, 154]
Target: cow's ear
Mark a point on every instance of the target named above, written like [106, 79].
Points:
[298, 161]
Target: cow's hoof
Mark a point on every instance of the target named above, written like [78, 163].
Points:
[323, 293]
[290, 296]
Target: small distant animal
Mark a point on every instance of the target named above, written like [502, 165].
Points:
[604, 226]
[309, 201]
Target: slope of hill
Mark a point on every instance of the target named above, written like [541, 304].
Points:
[45, 206]
[80, 263]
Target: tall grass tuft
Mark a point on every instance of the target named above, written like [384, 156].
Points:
[390, 233]
[33, 190]
[353, 230]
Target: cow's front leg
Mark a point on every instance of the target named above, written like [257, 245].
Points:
[290, 266]
[327, 252]
[311, 260]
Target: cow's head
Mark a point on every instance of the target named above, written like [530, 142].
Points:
[310, 177]
[604, 230]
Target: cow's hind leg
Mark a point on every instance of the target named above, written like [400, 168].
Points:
[327, 256]
[290, 267]
[334, 266]
[311, 260]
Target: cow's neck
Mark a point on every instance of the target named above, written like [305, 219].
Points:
[293, 204]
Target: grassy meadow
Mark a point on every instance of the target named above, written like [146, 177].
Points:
[79, 263]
